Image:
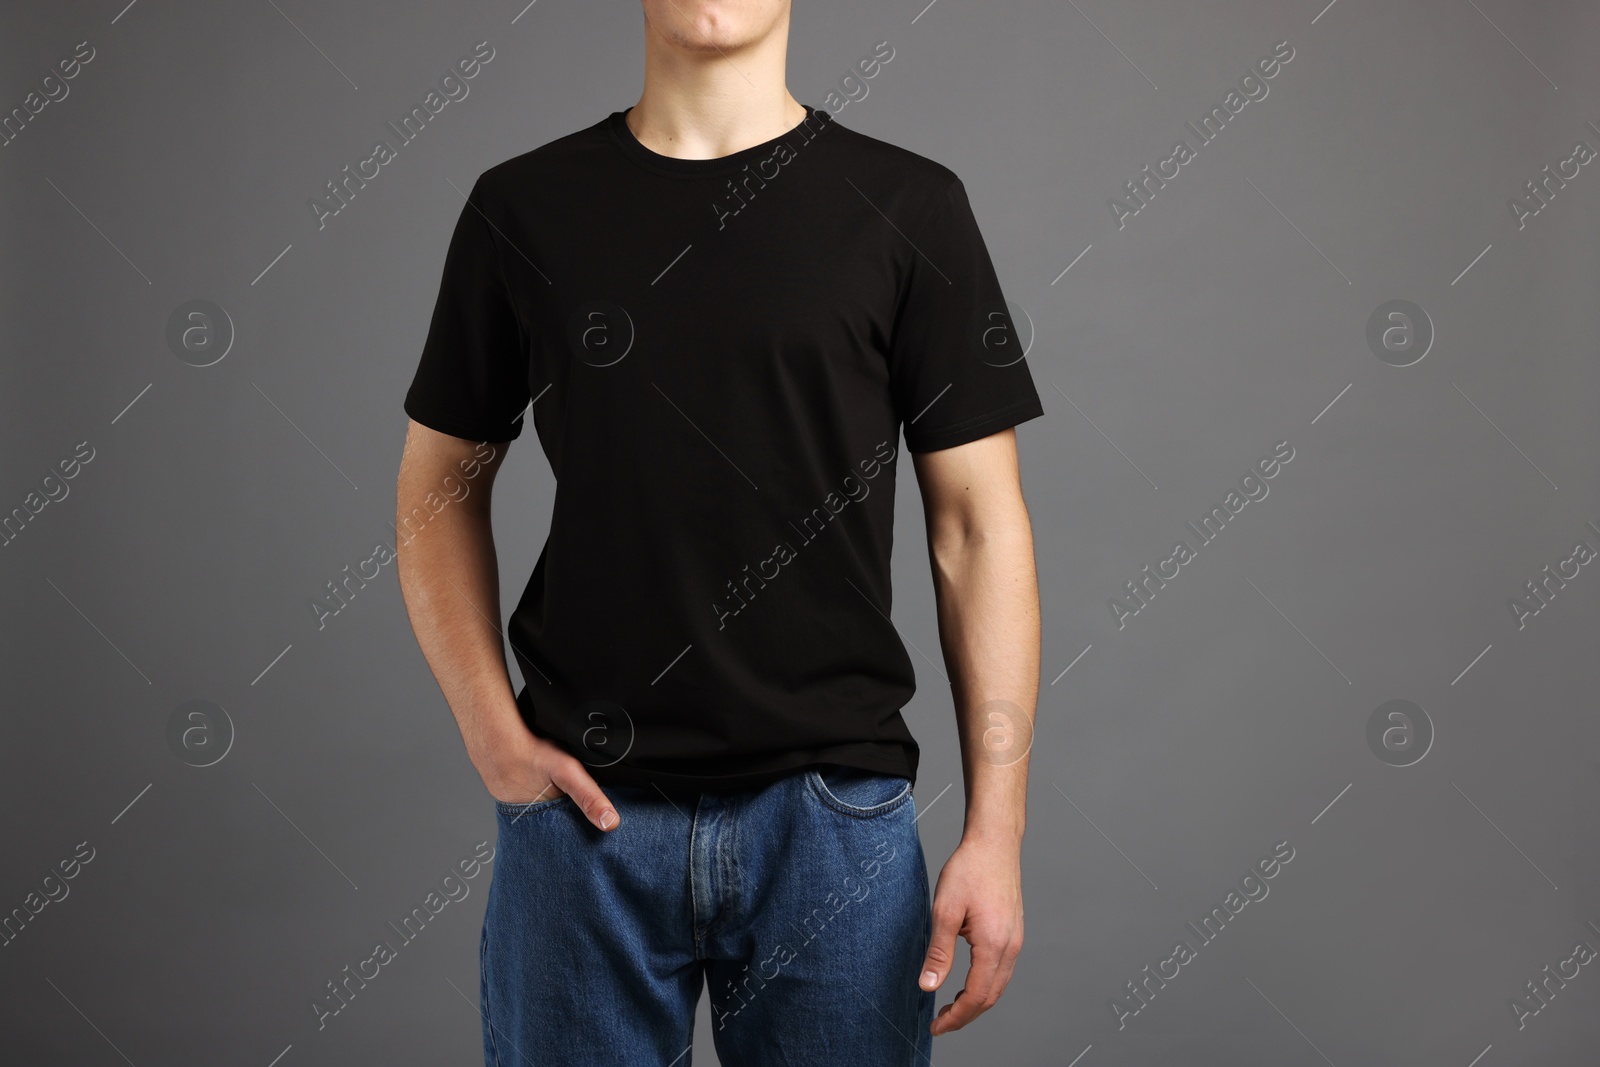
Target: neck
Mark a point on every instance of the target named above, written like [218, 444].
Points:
[702, 100]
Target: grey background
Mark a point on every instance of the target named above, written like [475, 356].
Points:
[1227, 316]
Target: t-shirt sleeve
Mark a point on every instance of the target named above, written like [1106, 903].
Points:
[472, 379]
[955, 360]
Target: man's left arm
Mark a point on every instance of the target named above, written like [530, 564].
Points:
[980, 545]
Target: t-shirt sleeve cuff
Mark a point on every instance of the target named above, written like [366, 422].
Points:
[467, 429]
[973, 429]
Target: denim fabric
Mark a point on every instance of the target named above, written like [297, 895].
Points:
[802, 905]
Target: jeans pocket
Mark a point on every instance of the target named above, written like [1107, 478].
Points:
[859, 793]
[515, 811]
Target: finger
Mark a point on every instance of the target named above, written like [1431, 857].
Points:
[936, 965]
[979, 993]
[1008, 960]
[572, 779]
[1008, 966]
[551, 791]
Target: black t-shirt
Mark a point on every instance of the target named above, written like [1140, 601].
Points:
[718, 356]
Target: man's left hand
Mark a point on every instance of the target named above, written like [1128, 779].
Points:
[979, 897]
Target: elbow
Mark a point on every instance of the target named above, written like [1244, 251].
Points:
[970, 532]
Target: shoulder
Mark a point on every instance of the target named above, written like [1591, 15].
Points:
[893, 158]
[540, 167]
[913, 179]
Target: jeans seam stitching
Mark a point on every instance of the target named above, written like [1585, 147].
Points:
[694, 892]
[483, 948]
[820, 788]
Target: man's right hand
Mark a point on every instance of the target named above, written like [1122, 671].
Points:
[450, 582]
[530, 769]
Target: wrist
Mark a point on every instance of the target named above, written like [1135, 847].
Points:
[501, 752]
[993, 834]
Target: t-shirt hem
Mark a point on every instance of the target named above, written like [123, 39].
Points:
[881, 757]
[463, 428]
[974, 428]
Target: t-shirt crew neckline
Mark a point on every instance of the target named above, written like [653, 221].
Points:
[694, 168]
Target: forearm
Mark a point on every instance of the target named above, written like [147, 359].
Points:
[988, 603]
[449, 578]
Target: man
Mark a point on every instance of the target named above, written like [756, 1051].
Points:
[718, 308]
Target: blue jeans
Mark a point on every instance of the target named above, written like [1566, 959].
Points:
[803, 904]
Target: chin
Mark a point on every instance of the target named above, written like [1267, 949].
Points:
[713, 25]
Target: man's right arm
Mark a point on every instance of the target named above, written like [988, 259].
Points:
[449, 578]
